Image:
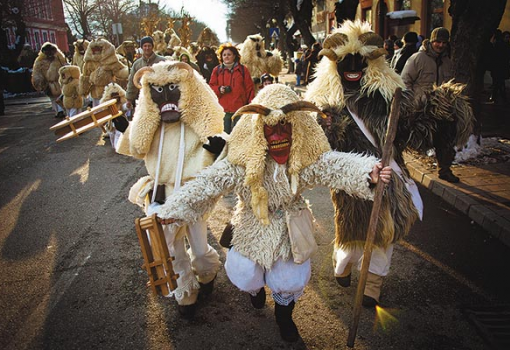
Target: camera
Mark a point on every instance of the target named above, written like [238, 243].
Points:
[227, 89]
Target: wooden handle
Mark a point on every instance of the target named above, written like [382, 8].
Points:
[374, 216]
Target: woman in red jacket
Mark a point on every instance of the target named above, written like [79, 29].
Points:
[232, 83]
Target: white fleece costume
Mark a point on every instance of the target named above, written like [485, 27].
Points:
[200, 116]
[267, 192]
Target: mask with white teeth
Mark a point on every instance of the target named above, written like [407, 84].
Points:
[351, 69]
[167, 98]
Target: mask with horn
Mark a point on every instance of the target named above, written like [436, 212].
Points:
[165, 96]
[276, 124]
[354, 61]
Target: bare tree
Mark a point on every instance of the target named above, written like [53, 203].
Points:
[80, 11]
[113, 11]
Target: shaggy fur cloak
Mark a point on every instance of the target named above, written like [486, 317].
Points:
[417, 125]
[45, 71]
[259, 61]
[70, 82]
[101, 67]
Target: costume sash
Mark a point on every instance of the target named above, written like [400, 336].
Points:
[410, 184]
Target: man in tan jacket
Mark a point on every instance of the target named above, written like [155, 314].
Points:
[431, 65]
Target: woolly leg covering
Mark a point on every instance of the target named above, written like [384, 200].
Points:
[288, 329]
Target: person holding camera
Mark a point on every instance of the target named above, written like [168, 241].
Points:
[232, 83]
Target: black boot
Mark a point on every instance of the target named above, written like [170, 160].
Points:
[206, 288]
[258, 301]
[187, 311]
[288, 329]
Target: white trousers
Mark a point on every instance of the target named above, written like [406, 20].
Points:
[286, 279]
[198, 264]
[379, 262]
[71, 112]
[55, 106]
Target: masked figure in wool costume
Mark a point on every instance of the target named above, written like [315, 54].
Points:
[117, 126]
[270, 161]
[45, 74]
[69, 80]
[354, 86]
[80, 47]
[177, 108]
[159, 42]
[259, 61]
[101, 67]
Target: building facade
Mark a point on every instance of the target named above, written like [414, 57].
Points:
[45, 21]
[392, 16]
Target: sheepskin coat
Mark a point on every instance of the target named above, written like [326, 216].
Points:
[101, 67]
[201, 115]
[268, 191]
[371, 104]
[45, 72]
[261, 243]
[70, 82]
[267, 62]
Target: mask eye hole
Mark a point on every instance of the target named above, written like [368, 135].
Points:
[157, 88]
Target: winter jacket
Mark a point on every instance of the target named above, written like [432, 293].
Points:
[132, 91]
[240, 82]
[403, 55]
[425, 68]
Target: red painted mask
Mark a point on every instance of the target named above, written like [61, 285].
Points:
[279, 139]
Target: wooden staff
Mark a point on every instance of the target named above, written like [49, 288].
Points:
[374, 216]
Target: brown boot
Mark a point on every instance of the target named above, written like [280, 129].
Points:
[372, 290]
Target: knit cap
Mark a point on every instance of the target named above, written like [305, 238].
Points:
[440, 34]
[145, 40]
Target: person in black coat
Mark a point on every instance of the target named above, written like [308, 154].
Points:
[409, 48]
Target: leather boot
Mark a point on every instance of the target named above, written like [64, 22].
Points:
[288, 329]
[206, 288]
[258, 301]
[345, 278]
[372, 290]
[187, 311]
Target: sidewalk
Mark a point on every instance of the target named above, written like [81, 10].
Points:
[483, 193]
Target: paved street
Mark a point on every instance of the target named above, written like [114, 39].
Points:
[72, 277]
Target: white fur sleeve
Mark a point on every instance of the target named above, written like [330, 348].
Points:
[197, 197]
[348, 172]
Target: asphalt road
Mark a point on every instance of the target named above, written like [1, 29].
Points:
[72, 278]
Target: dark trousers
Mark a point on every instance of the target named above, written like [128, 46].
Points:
[228, 123]
[444, 143]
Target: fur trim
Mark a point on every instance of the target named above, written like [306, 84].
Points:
[198, 104]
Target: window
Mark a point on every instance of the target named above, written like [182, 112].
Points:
[435, 10]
